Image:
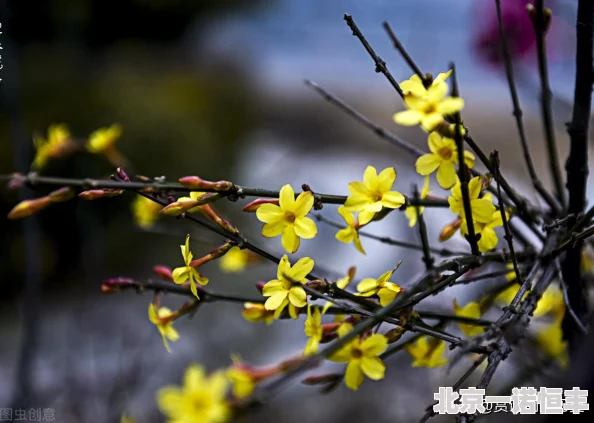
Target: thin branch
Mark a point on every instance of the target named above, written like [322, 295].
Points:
[237, 191]
[577, 164]
[540, 25]
[508, 234]
[517, 112]
[462, 173]
[358, 117]
[427, 258]
[380, 65]
[568, 305]
[390, 241]
[398, 45]
[122, 284]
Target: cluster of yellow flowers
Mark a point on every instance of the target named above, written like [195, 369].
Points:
[428, 106]
[60, 143]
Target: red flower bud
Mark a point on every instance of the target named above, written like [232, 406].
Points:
[163, 272]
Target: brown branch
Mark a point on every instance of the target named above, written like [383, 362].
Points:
[577, 166]
[517, 112]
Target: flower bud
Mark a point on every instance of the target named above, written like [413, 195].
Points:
[95, 194]
[485, 181]
[322, 379]
[17, 181]
[395, 334]
[198, 184]
[122, 174]
[179, 207]
[546, 17]
[260, 286]
[450, 230]
[61, 195]
[116, 284]
[163, 272]
[254, 205]
[29, 207]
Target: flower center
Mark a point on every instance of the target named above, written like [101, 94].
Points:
[430, 108]
[290, 217]
[356, 353]
[377, 196]
[200, 402]
[445, 153]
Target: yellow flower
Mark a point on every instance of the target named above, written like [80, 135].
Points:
[187, 272]
[288, 218]
[550, 340]
[241, 378]
[145, 211]
[351, 232]
[482, 208]
[127, 419]
[587, 263]
[200, 399]
[58, 141]
[428, 352]
[427, 106]
[411, 212]
[103, 139]
[551, 302]
[368, 197]
[313, 330]
[234, 260]
[362, 358]
[511, 276]
[443, 157]
[472, 310]
[342, 283]
[381, 287]
[282, 291]
[506, 296]
[194, 195]
[255, 312]
[488, 239]
[162, 319]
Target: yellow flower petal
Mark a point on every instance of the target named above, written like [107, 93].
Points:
[374, 345]
[286, 198]
[303, 204]
[427, 164]
[386, 179]
[274, 302]
[392, 199]
[298, 297]
[370, 178]
[290, 239]
[446, 175]
[408, 117]
[301, 269]
[305, 227]
[269, 213]
[271, 230]
[450, 105]
[353, 377]
[430, 121]
[365, 217]
[373, 367]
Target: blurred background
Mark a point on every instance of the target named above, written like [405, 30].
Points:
[215, 89]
